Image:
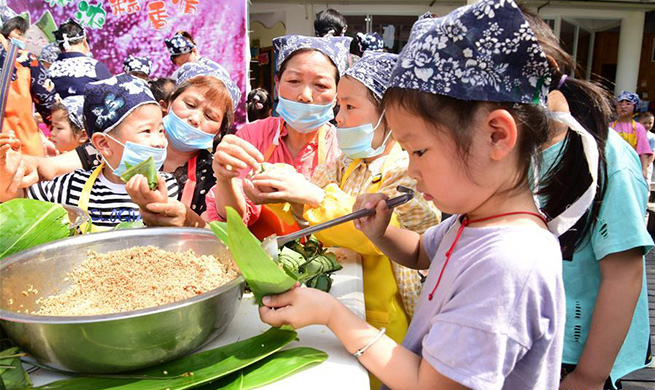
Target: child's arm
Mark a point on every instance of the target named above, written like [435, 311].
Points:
[393, 364]
[620, 286]
[404, 247]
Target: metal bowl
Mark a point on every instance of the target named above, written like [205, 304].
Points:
[114, 342]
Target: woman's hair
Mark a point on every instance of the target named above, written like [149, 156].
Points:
[284, 64]
[60, 106]
[591, 105]
[71, 29]
[216, 93]
[329, 21]
[162, 88]
[15, 23]
[259, 104]
[440, 111]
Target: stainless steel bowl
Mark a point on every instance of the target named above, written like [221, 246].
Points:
[115, 342]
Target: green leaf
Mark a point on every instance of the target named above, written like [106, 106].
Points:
[129, 225]
[272, 369]
[191, 371]
[263, 275]
[146, 168]
[12, 374]
[25, 223]
[220, 230]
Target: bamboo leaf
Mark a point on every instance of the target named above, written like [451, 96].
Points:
[25, 223]
[276, 367]
[146, 168]
[129, 225]
[12, 374]
[191, 371]
[220, 231]
[263, 275]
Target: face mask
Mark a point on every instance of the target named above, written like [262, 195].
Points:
[185, 137]
[19, 43]
[355, 142]
[563, 222]
[134, 153]
[302, 117]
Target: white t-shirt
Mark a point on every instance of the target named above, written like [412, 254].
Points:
[497, 318]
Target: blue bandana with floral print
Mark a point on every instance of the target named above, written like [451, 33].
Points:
[137, 64]
[179, 44]
[482, 52]
[372, 42]
[374, 71]
[207, 67]
[74, 105]
[336, 49]
[108, 102]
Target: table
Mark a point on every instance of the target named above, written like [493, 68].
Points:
[340, 371]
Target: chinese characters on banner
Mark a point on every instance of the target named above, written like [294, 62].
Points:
[92, 16]
[157, 11]
[119, 7]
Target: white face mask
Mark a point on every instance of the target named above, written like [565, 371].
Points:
[563, 222]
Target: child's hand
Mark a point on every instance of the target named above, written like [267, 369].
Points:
[137, 188]
[234, 154]
[299, 307]
[277, 187]
[12, 172]
[171, 213]
[374, 226]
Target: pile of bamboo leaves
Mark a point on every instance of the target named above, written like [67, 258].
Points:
[246, 364]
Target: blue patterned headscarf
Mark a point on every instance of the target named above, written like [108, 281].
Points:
[49, 53]
[372, 42]
[108, 102]
[484, 52]
[629, 96]
[179, 44]
[374, 71]
[137, 64]
[336, 49]
[74, 105]
[210, 68]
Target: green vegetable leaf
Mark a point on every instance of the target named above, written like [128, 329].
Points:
[25, 223]
[271, 369]
[12, 374]
[146, 168]
[191, 371]
[263, 275]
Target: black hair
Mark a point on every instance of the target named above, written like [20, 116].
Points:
[73, 30]
[15, 23]
[162, 89]
[441, 110]
[590, 104]
[258, 97]
[329, 20]
[283, 65]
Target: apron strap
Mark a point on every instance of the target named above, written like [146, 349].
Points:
[85, 195]
[354, 164]
[190, 185]
[5, 79]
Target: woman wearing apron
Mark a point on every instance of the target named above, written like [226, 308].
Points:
[308, 70]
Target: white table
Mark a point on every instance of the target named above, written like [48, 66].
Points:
[340, 371]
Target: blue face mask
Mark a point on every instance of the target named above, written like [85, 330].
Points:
[183, 136]
[134, 153]
[355, 142]
[302, 117]
[19, 43]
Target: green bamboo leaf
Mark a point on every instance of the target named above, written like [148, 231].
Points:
[191, 371]
[129, 225]
[12, 374]
[276, 367]
[220, 231]
[25, 223]
[146, 168]
[263, 275]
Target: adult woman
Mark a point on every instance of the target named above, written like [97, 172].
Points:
[201, 109]
[307, 74]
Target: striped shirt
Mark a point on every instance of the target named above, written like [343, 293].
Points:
[109, 203]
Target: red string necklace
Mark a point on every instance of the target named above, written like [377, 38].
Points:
[465, 223]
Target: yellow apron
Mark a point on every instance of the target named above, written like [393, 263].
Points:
[83, 203]
[631, 138]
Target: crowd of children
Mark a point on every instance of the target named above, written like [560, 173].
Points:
[535, 281]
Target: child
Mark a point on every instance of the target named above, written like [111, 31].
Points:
[463, 103]
[259, 104]
[125, 125]
[371, 162]
[67, 132]
[630, 130]
[646, 120]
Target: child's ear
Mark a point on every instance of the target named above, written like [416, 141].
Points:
[81, 137]
[502, 132]
[100, 142]
[164, 106]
